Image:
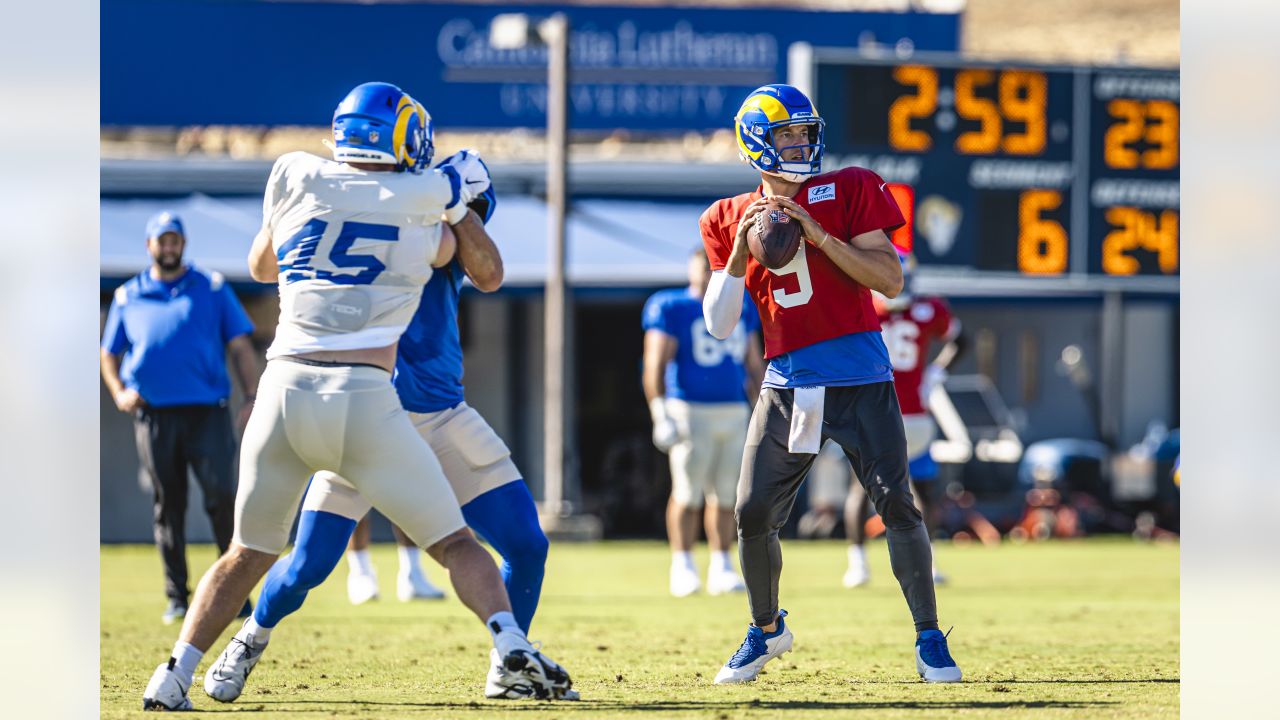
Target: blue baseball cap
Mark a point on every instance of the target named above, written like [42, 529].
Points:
[164, 222]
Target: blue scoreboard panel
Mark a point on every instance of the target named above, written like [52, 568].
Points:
[1047, 171]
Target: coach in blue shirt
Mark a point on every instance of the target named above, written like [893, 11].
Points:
[164, 360]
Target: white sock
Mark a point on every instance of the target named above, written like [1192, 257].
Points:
[259, 634]
[857, 556]
[720, 562]
[410, 561]
[682, 559]
[187, 657]
[502, 622]
[360, 562]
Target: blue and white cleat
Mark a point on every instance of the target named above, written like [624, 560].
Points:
[759, 648]
[933, 660]
[166, 691]
[226, 677]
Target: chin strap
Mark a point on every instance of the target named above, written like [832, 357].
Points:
[791, 176]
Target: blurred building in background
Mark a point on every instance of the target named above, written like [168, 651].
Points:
[1044, 194]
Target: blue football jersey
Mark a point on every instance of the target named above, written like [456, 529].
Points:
[428, 373]
[704, 369]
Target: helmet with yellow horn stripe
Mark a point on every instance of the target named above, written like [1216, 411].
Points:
[765, 110]
[380, 123]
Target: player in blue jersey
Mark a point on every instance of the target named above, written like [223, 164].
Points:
[698, 388]
[495, 501]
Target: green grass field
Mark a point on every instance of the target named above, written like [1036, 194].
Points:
[1064, 629]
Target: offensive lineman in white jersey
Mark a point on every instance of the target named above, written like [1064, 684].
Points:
[351, 242]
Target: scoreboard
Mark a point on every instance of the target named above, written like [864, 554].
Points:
[1034, 170]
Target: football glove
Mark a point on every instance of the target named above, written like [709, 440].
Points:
[665, 432]
[473, 180]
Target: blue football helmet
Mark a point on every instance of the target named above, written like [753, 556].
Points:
[765, 110]
[380, 123]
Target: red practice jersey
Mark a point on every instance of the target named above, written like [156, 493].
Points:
[908, 334]
[810, 299]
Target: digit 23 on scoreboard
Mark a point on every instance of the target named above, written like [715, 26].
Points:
[1041, 171]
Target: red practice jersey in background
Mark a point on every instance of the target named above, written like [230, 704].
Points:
[810, 299]
[908, 334]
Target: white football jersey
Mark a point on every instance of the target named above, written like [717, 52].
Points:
[355, 249]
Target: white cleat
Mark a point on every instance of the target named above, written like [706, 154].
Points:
[722, 582]
[416, 587]
[362, 587]
[856, 577]
[562, 685]
[684, 581]
[938, 577]
[501, 684]
[225, 678]
[859, 573]
[756, 650]
[166, 691]
[526, 672]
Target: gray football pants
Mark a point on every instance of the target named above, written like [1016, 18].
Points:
[867, 424]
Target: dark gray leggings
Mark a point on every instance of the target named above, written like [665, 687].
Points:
[857, 508]
[867, 424]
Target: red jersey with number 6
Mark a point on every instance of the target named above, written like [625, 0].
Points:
[810, 299]
[907, 334]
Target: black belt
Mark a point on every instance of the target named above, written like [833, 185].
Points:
[327, 364]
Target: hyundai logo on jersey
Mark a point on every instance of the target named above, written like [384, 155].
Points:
[818, 193]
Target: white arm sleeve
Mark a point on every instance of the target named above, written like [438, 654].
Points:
[722, 305]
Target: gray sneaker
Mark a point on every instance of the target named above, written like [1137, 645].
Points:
[174, 613]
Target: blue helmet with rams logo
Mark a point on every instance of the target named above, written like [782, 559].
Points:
[380, 123]
[767, 109]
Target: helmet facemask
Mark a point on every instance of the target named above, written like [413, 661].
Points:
[782, 159]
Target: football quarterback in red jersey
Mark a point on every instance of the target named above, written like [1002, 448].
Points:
[910, 324]
[829, 375]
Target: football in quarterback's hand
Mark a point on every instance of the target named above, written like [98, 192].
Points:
[774, 236]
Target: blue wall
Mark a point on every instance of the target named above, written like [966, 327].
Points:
[279, 63]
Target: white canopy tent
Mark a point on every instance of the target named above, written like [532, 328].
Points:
[610, 242]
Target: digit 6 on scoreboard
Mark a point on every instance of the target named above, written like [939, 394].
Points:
[1042, 242]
